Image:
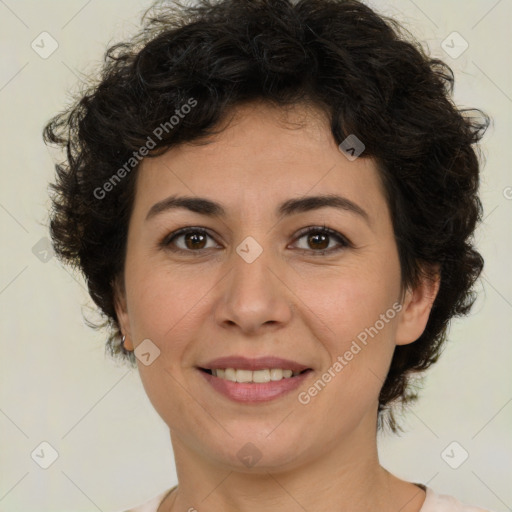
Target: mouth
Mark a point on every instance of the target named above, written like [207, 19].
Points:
[253, 380]
[253, 376]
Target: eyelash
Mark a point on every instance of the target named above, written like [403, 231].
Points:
[343, 241]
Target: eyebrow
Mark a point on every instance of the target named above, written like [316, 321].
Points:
[210, 208]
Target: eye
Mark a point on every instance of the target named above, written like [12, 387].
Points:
[194, 240]
[319, 237]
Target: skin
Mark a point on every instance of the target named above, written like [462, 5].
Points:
[289, 302]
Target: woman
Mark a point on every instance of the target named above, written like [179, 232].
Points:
[273, 203]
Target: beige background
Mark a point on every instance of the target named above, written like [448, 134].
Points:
[58, 386]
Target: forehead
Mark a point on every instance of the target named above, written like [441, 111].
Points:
[261, 156]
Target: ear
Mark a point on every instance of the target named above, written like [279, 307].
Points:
[122, 311]
[416, 307]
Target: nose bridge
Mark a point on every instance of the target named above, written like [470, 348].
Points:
[253, 295]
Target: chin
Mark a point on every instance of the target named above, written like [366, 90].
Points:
[258, 452]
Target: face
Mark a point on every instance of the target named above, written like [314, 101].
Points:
[262, 281]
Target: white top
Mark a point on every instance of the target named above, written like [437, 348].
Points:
[433, 503]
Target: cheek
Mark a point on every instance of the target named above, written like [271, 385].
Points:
[348, 302]
[355, 322]
[355, 312]
[166, 305]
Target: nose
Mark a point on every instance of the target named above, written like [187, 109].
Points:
[254, 295]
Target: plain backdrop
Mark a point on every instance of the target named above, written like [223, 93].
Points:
[58, 387]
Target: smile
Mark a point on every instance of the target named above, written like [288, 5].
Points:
[257, 376]
[246, 386]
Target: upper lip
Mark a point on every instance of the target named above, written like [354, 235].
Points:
[259, 363]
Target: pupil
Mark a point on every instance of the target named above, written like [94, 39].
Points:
[193, 238]
[312, 237]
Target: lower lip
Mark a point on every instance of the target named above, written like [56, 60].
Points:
[251, 392]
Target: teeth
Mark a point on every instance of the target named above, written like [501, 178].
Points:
[261, 376]
[229, 374]
[243, 375]
[258, 376]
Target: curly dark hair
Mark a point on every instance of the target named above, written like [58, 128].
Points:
[364, 70]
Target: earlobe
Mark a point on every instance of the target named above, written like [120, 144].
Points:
[417, 306]
[122, 314]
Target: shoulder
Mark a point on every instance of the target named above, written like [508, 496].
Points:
[152, 504]
[443, 503]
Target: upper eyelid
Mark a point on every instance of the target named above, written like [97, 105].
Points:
[331, 232]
